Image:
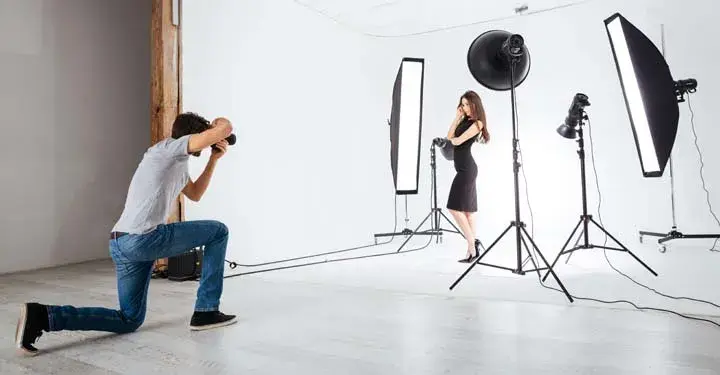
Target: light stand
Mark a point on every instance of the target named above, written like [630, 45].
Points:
[681, 88]
[513, 50]
[585, 218]
[651, 96]
[405, 232]
[435, 213]
[674, 233]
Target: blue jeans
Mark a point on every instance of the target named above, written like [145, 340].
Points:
[134, 256]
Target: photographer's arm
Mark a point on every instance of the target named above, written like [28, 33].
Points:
[220, 130]
[467, 134]
[195, 190]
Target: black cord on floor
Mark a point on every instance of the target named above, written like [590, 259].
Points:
[337, 251]
[597, 184]
[592, 153]
[234, 264]
[702, 177]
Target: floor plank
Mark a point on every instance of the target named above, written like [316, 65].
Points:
[297, 322]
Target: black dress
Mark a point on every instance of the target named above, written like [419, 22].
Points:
[463, 195]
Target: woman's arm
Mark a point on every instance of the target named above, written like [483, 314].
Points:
[467, 134]
[458, 118]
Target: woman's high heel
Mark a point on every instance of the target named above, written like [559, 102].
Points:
[470, 258]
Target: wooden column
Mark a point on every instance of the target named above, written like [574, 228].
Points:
[166, 69]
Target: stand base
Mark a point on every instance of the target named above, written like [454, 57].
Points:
[585, 220]
[673, 235]
[436, 214]
[522, 234]
[405, 232]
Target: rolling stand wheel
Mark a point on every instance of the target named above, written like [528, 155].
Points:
[641, 238]
[662, 248]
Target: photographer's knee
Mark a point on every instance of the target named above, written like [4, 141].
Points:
[132, 324]
[222, 229]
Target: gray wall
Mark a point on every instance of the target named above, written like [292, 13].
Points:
[74, 106]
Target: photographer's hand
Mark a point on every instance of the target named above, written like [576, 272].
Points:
[195, 190]
[218, 150]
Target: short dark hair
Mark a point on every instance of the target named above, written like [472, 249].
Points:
[189, 123]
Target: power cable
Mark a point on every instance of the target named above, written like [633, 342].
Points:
[702, 166]
[641, 308]
[335, 251]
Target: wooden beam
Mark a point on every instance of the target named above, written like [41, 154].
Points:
[166, 97]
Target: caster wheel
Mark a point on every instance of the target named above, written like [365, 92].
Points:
[641, 239]
[662, 249]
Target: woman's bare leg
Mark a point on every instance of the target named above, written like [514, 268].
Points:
[471, 224]
[462, 221]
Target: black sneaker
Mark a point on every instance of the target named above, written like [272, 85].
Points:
[202, 320]
[33, 320]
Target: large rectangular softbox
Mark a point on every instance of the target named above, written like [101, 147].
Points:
[649, 92]
[406, 125]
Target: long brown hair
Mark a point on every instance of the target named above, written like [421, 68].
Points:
[478, 112]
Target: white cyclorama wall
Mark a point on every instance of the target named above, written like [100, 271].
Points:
[309, 100]
[75, 110]
[309, 103]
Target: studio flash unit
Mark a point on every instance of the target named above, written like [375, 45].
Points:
[572, 128]
[575, 115]
[405, 135]
[500, 61]
[651, 95]
[651, 98]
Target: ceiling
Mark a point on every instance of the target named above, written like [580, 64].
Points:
[392, 18]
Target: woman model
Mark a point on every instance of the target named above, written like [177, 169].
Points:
[468, 127]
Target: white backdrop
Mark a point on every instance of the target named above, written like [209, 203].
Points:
[309, 97]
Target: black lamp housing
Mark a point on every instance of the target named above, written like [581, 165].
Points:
[490, 56]
[574, 117]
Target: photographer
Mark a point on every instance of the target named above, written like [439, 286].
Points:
[141, 236]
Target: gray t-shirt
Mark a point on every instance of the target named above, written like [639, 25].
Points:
[158, 180]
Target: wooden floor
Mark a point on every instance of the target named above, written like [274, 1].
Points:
[292, 323]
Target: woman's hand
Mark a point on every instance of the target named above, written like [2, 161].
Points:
[459, 113]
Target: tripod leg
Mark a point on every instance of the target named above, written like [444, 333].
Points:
[623, 246]
[477, 261]
[563, 249]
[532, 259]
[546, 264]
[415, 231]
[451, 223]
[582, 232]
